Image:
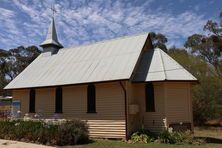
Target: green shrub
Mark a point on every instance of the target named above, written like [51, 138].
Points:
[69, 132]
[175, 137]
[72, 132]
[142, 136]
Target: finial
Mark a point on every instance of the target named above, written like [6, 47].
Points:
[53, 10]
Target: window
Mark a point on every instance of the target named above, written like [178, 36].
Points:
[91, 99]
[16, 108]
[150, 103]
[32, 101]
[58, 101]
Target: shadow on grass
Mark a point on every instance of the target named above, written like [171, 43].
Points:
[210, 140]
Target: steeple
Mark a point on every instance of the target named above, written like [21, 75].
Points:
[51, 43]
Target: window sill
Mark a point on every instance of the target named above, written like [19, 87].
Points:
[91, 112]
[58, 112]
[31, 112]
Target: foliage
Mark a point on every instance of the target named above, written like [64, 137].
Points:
[73, 132]
[175, 137]
[13, 61]
[207, 100]
[41, 132]
[208, 46]
[158, 40]
[142, 136]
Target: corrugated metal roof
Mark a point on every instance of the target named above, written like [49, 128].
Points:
[156, 65]
[102, 61]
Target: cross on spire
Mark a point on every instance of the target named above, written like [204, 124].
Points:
[51, 42]
[53, 10]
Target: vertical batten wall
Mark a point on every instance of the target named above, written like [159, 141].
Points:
[107, 122]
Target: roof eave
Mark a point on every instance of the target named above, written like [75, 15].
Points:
[84, 83]
[166, 80]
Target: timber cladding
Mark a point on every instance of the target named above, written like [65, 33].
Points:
[107, 122]
[179, 103]
[172, 102]
[151, 120]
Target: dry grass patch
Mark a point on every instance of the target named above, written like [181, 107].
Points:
[212, 132]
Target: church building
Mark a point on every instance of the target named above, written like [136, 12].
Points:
[117, 86]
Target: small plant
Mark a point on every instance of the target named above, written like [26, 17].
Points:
[174, 137]
[142, 136]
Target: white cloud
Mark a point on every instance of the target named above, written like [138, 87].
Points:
[6, 13]
[88, 21]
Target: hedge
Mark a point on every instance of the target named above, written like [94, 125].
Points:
[51, 133]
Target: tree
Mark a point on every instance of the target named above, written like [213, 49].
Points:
[208, 46]
[14, 61]
[195, 65]
[3, 55]
[159, 40]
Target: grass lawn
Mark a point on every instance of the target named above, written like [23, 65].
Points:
[212, 135]
[117, 144]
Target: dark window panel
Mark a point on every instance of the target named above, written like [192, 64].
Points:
[58, 103]
[91, 98]
[32, 101]
[150, 102]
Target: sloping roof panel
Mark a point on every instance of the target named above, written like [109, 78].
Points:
[156, 65]
[102, 61]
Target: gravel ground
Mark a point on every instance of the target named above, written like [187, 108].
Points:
[16, 144]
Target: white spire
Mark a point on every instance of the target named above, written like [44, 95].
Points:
[51, 38]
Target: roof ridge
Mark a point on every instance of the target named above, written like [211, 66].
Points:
[182, 67]
[161, 59]
[106, 40]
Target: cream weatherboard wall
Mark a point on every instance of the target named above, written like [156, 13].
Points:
[172, 102]
[151, 120]
[178, 102]
[109, 121]
[23, 97]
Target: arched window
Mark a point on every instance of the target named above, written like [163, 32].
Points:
[32, 101]
[58, 100]
[150, 102]
[91, 99]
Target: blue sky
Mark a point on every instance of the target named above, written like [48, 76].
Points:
[25, 22]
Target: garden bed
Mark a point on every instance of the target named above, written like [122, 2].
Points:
[55, 132]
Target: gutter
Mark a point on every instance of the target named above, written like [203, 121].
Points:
[125, 102]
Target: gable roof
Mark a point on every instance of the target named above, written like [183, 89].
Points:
[110, 60]
[102, 61]
[156, 65]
